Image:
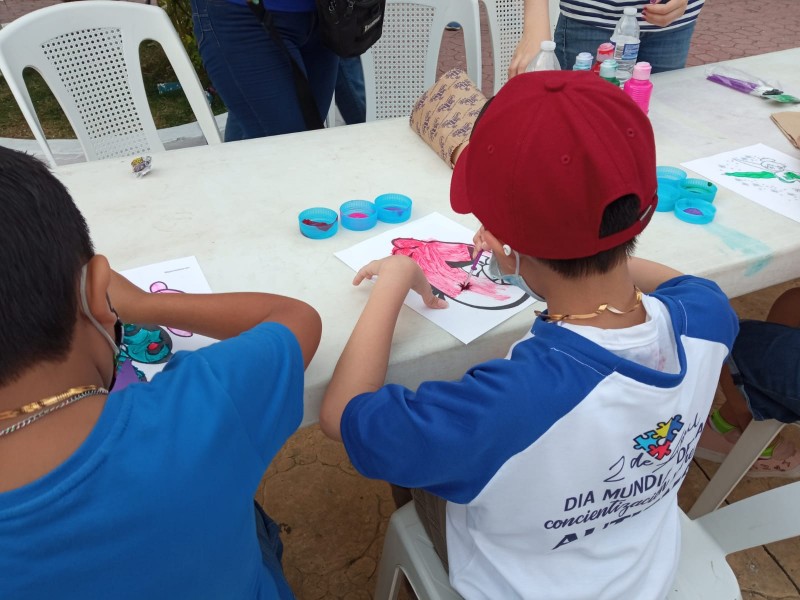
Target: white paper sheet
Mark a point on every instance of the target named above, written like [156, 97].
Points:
[172, 276]
[442, 248]
[759, 173]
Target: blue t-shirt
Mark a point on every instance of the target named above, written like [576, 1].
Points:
[284, 5]
[158, 500]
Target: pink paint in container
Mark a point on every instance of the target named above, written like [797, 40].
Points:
[358, 215]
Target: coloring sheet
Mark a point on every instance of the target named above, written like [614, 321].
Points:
[443, 249]
[147, 347]
[759, 173]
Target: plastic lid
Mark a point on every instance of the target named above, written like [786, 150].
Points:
[548, 45]
[629, 11]
[641, 70]
[584, 59]
[608, 68]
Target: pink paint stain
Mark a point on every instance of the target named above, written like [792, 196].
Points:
[432, 256]
[356, 215]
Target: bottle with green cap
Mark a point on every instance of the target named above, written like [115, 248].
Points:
[608, 71]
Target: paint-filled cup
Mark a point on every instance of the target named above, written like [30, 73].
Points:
[694, 211]
[318, 223]
[670, 175]
[358, 215]
[699, 188]
[667, 195]
[393, 208]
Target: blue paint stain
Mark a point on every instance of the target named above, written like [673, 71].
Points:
[736, 240]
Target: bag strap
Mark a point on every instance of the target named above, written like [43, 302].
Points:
[305, 97]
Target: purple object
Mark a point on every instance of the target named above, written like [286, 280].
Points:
[746, 87]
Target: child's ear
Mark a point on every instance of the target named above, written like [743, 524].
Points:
[98, 278]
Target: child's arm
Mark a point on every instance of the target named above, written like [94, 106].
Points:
[648, 275]
[219, 316]
[362, 365]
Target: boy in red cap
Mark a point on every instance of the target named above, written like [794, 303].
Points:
[560, 464]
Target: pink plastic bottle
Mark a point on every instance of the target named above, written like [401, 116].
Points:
[639, 87]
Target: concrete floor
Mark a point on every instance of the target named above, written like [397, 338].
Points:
[333, 519]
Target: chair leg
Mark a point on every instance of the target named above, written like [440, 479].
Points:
[745, 452]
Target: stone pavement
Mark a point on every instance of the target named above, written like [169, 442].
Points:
[333, 520]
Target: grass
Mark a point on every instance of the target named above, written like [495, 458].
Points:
[168, 110]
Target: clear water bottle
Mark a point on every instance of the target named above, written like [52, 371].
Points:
[639, 87]
[546, 59]
[583, 62]
[626, 39]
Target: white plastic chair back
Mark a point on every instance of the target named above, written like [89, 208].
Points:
[88, 54]
[506, 19]
[407, 550]
[703, 572]
[755, 438]
[402, 64]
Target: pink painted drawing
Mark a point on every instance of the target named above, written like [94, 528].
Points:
[447, 264]
[159, 287]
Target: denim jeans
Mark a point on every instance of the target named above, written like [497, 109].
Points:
[269, 540]
[252, 74]
[664, 50]
[351, 97]
[765, 364]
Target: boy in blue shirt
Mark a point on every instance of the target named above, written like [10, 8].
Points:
[146, 492]
[558, 466]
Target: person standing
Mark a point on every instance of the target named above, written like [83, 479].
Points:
[253, 74]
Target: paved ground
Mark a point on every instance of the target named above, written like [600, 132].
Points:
[334, 520]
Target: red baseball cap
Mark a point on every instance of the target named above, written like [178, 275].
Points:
[551, 151]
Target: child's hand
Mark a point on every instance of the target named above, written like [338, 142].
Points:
[404, 272]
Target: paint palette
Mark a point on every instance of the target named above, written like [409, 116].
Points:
[358, 215]
[318, 223]
[393, 208]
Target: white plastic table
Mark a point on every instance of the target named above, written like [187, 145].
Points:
[235, 207]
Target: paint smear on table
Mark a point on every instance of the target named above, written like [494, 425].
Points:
[443, 249]
[744, 244]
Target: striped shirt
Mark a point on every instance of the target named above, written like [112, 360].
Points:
[606, 13]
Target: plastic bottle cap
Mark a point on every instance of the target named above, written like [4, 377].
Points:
[548, 45]
[629, 11]
[583, 61]
[641, 70]
[608, 68]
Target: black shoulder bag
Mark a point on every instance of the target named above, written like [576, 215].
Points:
[348, 27]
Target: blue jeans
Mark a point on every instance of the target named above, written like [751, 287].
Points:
[351, 97]
[765, 364]
[664, 50]
[252, 74]
[269, 540]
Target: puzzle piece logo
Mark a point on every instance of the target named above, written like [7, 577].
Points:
[657, 441]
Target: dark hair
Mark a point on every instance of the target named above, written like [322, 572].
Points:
[618, 216]
[44, 242]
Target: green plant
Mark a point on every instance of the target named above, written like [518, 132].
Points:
[180, 12]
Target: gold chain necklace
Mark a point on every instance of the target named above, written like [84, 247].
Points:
[53, 404]
[38, 405]
[600, 310]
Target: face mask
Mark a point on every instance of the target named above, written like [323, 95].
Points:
[493, 271]
[117, 327]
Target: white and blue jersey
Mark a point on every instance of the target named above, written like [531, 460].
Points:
[560, 463]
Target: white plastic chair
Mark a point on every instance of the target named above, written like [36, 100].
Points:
[755, 438]
[703, 572]
[402, 64]
[408, 550]
[505, 27]
[88, 54]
